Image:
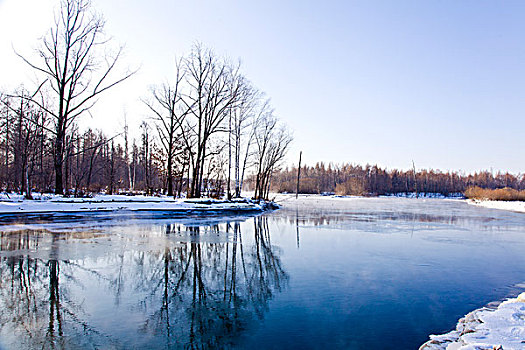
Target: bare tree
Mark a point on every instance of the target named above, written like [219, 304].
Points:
[214, 87]
[272, 143]
[251, 119]
[75, 70]
[27, 123]
[241, 116]
[127, 162]
[6, 125]
[169, 112]
[146, 155]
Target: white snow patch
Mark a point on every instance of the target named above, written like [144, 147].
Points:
[49, 203]
[516, 206]
[500, 328]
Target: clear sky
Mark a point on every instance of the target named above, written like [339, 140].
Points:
[438, 82]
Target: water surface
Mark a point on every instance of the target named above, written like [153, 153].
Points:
[320, 273]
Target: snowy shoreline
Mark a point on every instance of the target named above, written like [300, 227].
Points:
[486, 328]
[17, 205]
[515, 206]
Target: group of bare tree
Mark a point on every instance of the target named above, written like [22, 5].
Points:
[203, 133]
[349, 179]
[93, 162]
[214, 123]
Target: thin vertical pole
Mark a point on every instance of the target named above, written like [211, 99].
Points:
[298, 175]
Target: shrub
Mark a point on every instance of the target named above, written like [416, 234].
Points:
[352, 186]
[500, 194]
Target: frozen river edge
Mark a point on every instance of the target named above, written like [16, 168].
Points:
[486, 328]
[516, 206]
[47, 204]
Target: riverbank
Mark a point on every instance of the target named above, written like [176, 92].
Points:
[486, 328]
[48, 203]
[516, 206]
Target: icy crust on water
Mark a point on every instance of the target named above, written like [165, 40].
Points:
[504, 205]
[500, 328]
[46, 203]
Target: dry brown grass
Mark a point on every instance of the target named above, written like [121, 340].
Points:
[500, 194]
[352, 187]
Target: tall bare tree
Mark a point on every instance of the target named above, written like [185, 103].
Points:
[241, 115]
[169, 112]
[250, 116]
[76, 69]
[214, 87]
[272, 143]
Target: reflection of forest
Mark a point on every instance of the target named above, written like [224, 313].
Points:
[190, 294]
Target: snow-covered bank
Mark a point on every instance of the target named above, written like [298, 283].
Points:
[500, 328]
[504, 205]
[16, 204]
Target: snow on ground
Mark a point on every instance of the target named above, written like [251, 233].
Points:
[49, 203]
[500, 328]
[504, 205]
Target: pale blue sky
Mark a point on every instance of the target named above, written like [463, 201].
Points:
[438, 82]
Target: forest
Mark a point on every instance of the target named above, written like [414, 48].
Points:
[349, 179]
[205, 131]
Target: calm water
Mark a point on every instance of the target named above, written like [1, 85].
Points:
[350, 274]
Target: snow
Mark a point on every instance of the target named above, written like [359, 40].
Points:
[516, 206]
[49, 203]
[425, 195]
[485, 328]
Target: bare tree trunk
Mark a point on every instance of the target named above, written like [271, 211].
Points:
[415, 178]
[28, 185]
[112, 170]
[228, 190]
[7, 150]
[298, 175]
[126, 155]
[58, 160]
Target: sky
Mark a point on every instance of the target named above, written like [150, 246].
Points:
[440, 83]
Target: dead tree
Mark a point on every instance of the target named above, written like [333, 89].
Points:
[169, 112]
[146, 155]
[272, 143]
[214, 87]
[75, 70]
[241, 125]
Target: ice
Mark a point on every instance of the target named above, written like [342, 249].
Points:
[500, 328]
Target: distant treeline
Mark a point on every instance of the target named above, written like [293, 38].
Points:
[349, 179]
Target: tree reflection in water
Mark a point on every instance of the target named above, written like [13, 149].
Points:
[189, 294]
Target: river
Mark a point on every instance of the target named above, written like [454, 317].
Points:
[355, 273]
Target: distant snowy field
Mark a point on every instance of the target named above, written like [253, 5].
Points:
[504, 205]
[49, 203]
